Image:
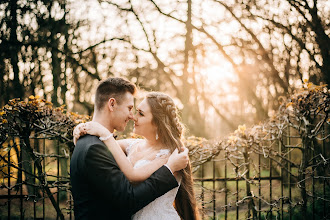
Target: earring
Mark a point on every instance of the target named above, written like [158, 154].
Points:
[156, 135]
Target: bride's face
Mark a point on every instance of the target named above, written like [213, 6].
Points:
[143, 121]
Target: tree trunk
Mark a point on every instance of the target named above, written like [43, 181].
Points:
[56, 70]
[323, 42]
[17, 89]
[185, 84]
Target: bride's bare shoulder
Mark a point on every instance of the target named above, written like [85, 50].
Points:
[127, 143]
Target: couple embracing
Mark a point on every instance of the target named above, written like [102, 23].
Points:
[131, 178]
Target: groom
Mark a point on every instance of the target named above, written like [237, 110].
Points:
[100, 190]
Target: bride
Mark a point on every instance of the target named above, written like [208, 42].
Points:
[157, 120]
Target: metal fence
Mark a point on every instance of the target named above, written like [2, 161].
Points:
[248, 185]
[272, 183]
[35, 185]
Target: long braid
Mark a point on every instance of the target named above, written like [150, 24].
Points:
[167, 103]
[170, 132]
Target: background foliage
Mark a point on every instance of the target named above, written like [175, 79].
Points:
[225, 62]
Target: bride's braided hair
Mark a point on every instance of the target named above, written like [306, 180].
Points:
[170, 133]
[171, 115]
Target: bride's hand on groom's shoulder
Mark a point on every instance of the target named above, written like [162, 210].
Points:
[92, 128]
[78, 131]
[96, 129]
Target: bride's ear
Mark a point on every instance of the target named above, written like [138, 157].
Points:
[111, 104]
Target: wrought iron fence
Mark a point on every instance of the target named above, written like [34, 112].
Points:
[276, 170]
[255, 186]
[35, 187]
[247, 185]
[35, 144]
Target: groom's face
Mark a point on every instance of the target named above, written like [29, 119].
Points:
[123, 111]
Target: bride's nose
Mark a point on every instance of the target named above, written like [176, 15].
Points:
[135, 118]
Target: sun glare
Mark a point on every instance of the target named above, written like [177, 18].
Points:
[219, 75]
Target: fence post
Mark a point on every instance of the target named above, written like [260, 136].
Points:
[248, 188]
[282, 175]
[302, 176]
[270, 186]
[9, 185]
[21, 176]
[324, 180]
[202, 193]
[289, 173]
[226, 190]
[43, 172]
[213, 195]
[58, 174]
[237, 192]
[259, 184]
[313, 180]
[35, 192]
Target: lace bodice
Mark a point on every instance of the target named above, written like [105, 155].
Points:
[162, 207]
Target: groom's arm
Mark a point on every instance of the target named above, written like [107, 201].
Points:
[106, 178]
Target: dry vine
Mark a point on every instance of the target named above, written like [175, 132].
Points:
[304, 117]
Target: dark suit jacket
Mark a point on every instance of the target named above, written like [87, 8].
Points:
[101, 191]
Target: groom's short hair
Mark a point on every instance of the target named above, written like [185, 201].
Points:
[113, 87]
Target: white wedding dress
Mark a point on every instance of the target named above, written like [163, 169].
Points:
[161, 208]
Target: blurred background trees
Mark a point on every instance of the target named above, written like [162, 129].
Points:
[225, 62]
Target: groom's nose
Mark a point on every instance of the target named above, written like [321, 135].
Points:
[131, 116]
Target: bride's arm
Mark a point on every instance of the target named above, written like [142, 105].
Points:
[124, 143]
[133, 175]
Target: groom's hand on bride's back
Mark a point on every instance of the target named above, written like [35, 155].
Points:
[178, 161]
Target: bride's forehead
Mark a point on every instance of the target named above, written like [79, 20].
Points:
[144, 106]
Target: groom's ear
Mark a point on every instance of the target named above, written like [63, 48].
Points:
[111, 104]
